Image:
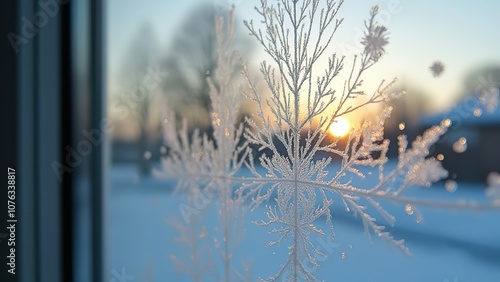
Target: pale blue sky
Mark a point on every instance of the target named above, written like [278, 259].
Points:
[464, 35]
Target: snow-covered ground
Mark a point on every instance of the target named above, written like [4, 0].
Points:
[454, 246]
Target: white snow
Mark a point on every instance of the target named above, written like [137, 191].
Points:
[446, 246]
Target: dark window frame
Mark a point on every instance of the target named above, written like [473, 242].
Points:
[46, 125]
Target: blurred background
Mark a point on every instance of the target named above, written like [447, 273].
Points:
[433, 51]
[90, 83]
[443, 56]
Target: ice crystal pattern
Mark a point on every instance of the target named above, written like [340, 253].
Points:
[375, 37]
[489, 93]
[437, 69]
[493, 189]
[291, 173]
[303, 104]
[205, 166]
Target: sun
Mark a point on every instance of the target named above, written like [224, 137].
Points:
[340, 127]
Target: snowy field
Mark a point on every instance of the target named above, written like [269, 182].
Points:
[454, 246]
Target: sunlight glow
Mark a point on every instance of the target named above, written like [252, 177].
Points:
[340, 127]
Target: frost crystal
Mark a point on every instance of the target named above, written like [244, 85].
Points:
[493, 189]
[205, 167]
[437, 68]
[375, 38]
[293, 175]
[489, 93]
[296, 134]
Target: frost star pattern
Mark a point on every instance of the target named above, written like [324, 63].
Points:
[437, 69]
[205, 167]
[291, 164]
[303, 104]
[375, 38]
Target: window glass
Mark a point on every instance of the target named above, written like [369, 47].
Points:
[159, 56]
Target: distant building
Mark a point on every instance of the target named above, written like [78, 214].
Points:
[471, 147]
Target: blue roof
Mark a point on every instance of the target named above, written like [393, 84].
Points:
[470, 112]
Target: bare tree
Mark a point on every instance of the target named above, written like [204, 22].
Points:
[138, 87]
[192, 58]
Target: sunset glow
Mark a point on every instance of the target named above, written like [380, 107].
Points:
[340, 127]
